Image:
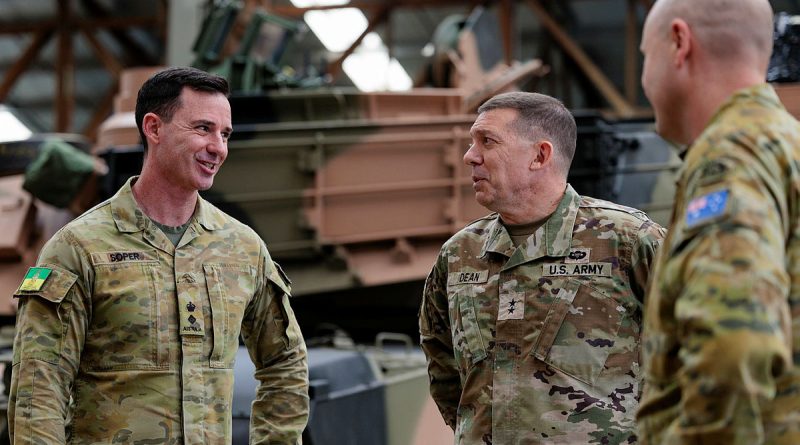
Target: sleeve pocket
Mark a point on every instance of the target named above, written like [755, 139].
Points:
[40, 322]
[285, 320]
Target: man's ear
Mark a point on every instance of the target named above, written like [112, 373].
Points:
[151, 127]
[544, 155]
[680, 41]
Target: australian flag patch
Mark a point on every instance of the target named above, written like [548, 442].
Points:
[706, 208]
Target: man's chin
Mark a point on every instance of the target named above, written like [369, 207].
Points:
[204, 183]
[484, 201]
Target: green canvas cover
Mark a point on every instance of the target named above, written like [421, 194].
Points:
[58, 173]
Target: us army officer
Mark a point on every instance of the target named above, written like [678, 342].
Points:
[531, 315]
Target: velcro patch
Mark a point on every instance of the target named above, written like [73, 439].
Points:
[467, 277]
[705, 208]
[578, 255]
[598, 269]
[125, 256]
[512, 306]
[35, 278]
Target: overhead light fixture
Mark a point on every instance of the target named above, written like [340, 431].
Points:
[13, 128]
[369, 67]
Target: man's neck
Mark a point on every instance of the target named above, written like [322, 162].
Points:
[710, 95]
[163, 202]
[536, 207]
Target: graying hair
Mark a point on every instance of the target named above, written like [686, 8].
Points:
[540, 116]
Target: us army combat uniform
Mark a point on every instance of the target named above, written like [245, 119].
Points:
[722, 333]
[142, 335]
[540, 343]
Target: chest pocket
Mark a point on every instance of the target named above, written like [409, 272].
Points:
[468, 342]
[230, 288]
[124, 328]
[580, 330]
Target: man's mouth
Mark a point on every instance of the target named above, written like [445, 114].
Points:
[209, 165]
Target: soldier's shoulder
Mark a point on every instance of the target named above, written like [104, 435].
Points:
[222, 220]
[481, 222]
[475, 229]
[89, 222]
[612, 210]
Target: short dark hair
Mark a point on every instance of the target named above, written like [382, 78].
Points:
[539, 115]
[161, 93]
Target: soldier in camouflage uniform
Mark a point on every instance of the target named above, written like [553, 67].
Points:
[531, 316]
[722, 319]
[127, 329]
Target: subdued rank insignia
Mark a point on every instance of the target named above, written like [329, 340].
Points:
[35, 278]
[713, 171]
[512, 306]
[578, 255]
[191, 322]
[706, 208]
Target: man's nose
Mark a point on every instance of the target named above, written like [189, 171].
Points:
[218, 144]
[472, 157]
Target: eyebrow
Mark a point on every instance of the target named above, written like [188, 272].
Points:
[484, 131]
[211, 124]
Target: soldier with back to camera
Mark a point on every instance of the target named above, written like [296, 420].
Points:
[531, 316]
[722, 320]
[129, 324]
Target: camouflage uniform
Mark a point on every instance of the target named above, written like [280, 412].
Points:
[142, 335]
[540, 343]
[723, 312]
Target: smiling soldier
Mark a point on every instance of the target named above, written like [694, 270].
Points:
[531, 316]
[129, 325]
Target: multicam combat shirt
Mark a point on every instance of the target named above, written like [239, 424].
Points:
[722, 331]
[540, 343]
[142, 335]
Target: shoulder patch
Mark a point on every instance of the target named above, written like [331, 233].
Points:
[35, 278]
[714, 171]
[52, 284]
[706, 208]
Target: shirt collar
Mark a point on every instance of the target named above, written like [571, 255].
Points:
[130, 218]
[553, 238]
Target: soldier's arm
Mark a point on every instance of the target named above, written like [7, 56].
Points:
[50, 332]
[732, 313]
[276, 346]
[437, 343]
[643, 256]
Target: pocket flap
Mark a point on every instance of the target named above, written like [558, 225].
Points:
[555, 317]
[279, 278]
[49, 283]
